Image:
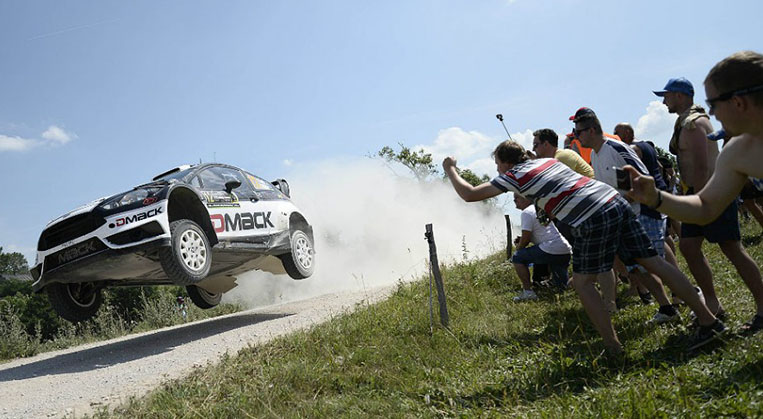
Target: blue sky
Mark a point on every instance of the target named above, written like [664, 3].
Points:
[96, 97]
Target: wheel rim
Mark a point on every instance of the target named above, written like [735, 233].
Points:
[303, 252]
[192, 249]
[83, 295]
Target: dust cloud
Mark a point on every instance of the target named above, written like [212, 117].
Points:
[369, 226]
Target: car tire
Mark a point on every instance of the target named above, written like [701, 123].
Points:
[75, 302]
[299, 263]
[188, 258]
[203, 298]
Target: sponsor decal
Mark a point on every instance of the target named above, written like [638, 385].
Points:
[76, 252]
[241, 221]
[219, 197]
[223, 205]
[150, 200]
[135, 217]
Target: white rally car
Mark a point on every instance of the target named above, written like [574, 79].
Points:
[197, 226]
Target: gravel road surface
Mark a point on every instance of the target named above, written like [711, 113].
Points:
[74, 381]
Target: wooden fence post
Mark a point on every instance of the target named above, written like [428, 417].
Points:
[435, 265]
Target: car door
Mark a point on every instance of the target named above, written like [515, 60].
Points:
[233, 214]
[271, 203]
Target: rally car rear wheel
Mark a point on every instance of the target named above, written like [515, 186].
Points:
[300, 262]
[188, 258]
[75, 302]
[203, 298]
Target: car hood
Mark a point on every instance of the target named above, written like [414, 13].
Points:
[79, 210]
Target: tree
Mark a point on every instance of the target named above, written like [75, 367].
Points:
[472, 178]
[12, 263]
[419, 162]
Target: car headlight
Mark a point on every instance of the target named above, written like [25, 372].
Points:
[125, 199]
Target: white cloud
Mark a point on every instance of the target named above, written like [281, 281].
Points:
[16, 143]
[53, 136]
[58, 135]
[656, 124]
[287, 162]
[472, 149]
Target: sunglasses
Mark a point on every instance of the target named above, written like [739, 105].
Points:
[726, 96]
[576, 132]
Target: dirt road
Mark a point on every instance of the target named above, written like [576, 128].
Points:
[74, 381]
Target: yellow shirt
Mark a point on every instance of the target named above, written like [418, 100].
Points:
[574, 162]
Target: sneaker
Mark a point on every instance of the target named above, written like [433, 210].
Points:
[753, 326]
[525, 296]
[721, 315]
[661, 318]
[706, 334]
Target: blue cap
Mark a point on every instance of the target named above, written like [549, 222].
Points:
[679, 85]
[717, 135]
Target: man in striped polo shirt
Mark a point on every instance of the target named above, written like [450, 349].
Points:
[603, 224]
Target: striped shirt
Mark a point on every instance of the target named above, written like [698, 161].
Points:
[557, 189]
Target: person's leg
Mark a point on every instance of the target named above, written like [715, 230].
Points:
[691, 248]
[654, 285]
[754, 209]
[608, 286]
[746, 268]
[523, 272]
[594, 308]
[679, 283]
[670, 255]
[540, 272]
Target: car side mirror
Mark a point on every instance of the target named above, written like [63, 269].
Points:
[231, 185]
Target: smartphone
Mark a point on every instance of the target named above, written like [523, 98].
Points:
[623, 179]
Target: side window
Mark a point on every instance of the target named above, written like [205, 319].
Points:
[214, 179]
[196, 182]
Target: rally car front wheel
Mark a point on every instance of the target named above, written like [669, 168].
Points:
[300, 262]
[188, 258]
[203, 298]
[75, 302]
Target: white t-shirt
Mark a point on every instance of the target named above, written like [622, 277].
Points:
[547, 237]
[613, 154]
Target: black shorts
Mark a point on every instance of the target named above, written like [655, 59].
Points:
[723, 228]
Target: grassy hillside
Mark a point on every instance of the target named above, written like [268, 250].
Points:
[536, 359]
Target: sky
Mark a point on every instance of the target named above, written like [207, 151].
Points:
[97, 97]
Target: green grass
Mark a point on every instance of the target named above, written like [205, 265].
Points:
[537, 359]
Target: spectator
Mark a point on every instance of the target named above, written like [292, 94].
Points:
[546, 145]
[734, 88]
[607, 155]
[550, 249]
[696, 163]
[603, 224]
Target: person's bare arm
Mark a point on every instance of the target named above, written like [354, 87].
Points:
[694, 142]
[466, 191]
[704, 207]
[524, 239]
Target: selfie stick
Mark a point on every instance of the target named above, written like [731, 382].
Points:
[500, 118]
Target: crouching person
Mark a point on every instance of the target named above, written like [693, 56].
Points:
[603, 224]
[550, 249]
